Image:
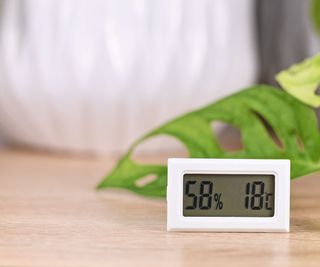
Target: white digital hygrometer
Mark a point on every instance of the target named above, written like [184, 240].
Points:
[238, 195]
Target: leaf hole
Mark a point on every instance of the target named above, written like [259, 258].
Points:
[158, 149]
[143, 181]
[270, 130]
[228, 136]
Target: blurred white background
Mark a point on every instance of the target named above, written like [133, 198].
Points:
[93, 76]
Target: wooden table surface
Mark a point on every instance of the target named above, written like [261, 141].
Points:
[51, 215]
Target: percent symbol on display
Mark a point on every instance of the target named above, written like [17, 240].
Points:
[219, 203]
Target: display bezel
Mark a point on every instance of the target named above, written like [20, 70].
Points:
[177, 168]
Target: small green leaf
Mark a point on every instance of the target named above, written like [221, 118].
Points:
[250, 110]
[302, 81]
[315, 14]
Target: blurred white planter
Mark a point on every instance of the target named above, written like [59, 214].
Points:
[95, 75]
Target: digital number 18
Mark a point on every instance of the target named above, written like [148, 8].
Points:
[256, 197]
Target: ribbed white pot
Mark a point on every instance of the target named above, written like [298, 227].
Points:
[95, 75]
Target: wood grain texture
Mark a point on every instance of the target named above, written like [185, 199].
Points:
[51, 215]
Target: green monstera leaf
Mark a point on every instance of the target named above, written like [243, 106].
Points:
[302, 81]
[253, 111]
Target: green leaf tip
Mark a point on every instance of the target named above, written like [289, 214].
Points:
[302, 81]
[315, 14]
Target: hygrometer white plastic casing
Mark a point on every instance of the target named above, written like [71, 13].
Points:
[177, 167]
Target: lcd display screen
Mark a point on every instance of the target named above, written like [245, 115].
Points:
[228, 195]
